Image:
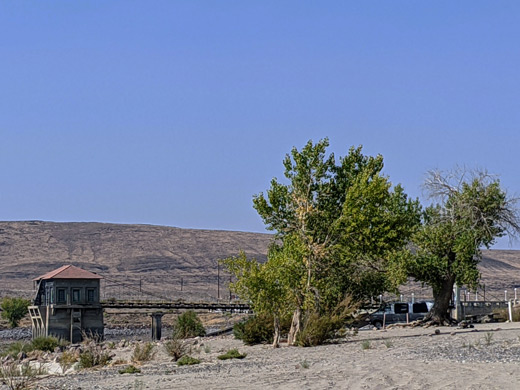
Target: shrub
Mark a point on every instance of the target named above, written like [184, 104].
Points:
[255, 330]
[259, 329]
[232, 354]
[47, 344]
[317, 329]
[143, 352]
[14, 309]
[130, 370]
[14, 349]
[67, 359]
[365, 344]
[91, 337]
[18, 377]
[187, 325]
[175, 348]
[488, 338]
[93, 356]
[187, 361]
[238, 330]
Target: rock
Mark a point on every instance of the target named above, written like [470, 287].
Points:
[437, 331]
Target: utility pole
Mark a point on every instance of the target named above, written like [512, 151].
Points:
[218, 280]
[229, 287]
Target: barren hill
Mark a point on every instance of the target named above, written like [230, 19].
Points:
[151, 258]
[166, 261]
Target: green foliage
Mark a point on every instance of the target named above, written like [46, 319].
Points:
[317, 329]
[187, 325]
[175, 348]
[130, 370]
[143, 352]
[93, 356]
[345, 216]
[187, 361]
[366, 344]
[15, 348]
[238, 330]
[232, 354]
[258, 329]
[340, 228]
[47, 344]
[14, 309]
[472, 212]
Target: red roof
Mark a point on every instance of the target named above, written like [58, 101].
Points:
[68, 272]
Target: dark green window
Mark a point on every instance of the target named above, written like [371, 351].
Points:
[76, 295]
[91, 295]
[62, 296]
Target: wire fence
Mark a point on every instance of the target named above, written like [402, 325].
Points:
[214, 287]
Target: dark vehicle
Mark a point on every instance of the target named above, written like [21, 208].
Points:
[393, 313]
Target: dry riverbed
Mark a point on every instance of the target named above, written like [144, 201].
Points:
[486, 357]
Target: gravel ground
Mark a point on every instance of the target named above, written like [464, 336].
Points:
[486, 357]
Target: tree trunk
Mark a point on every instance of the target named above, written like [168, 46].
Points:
[442, 295]
[295, 326]
[276, 338]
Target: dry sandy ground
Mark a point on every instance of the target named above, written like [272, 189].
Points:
[486, 357]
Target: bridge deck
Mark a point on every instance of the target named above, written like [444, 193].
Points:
[238, 307]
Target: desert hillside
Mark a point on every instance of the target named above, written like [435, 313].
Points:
[167, 261]
[163, 260]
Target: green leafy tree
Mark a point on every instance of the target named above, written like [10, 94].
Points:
[472, 211]
[271, 288]
[14, 309]
[346, 222]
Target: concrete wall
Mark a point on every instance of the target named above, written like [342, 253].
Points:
[477, 308]
[79, 314]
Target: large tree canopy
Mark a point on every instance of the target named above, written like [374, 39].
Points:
[472, 211]
[346, 221]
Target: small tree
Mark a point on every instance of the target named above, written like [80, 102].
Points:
[473, 210]
[14, 309]
[270, 287]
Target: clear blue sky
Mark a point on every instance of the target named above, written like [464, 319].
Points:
[177, 112]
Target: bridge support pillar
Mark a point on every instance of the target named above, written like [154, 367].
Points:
[156, 325]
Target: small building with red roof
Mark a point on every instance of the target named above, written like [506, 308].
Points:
[67, 304]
